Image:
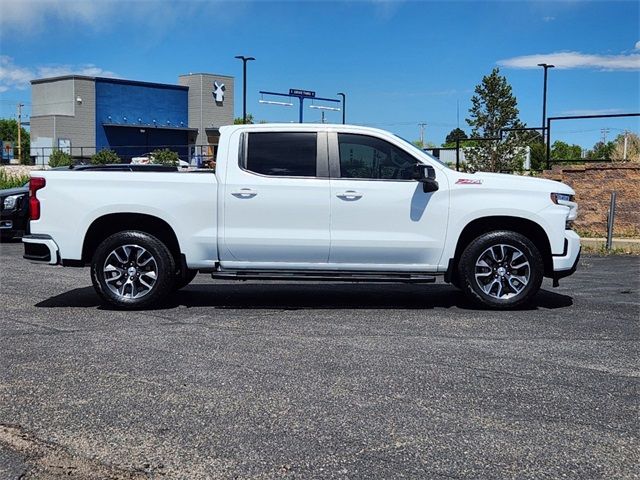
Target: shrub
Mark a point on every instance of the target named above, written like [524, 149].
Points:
[164, 157]
[104, 157]
[11, 181]
[60, 159]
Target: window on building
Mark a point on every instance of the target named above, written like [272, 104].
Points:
[282, 154]
[362, 156]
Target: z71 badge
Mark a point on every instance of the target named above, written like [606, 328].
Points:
[468, 181]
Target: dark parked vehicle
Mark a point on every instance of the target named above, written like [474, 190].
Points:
[14, 212]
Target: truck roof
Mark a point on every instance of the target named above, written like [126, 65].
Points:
[303, 127]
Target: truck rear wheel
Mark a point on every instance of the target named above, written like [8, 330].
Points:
[501, 270]
[132, 270]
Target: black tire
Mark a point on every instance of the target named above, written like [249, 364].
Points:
[510, 281]
[137, 269]
[184, 278]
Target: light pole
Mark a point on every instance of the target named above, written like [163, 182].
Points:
[244, 85]
[546, 67]
[20, 105]
[344, 106]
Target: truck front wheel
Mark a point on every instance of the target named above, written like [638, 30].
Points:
[132, 270]
[501, 270]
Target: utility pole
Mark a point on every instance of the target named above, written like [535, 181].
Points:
[604, 131]
[422, 125]
[624, 150]
[20, 105]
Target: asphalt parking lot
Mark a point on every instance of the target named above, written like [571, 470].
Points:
[275, 380]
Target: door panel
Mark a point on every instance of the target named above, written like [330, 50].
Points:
[391, 223]
[387, 222]
[271, 219]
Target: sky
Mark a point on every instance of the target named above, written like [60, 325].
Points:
[400, 63]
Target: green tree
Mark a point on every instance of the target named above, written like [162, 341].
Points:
[9, 133]
[453, 135]
[632, 150]
[421, 145]
[104, 157]
[563, 151]
[238, 120]
[537, 149]
[494, 107]
[164, 157]
[58, 158]
[602, 151]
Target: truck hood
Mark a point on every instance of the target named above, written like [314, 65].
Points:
[503, 180]
[13, 191]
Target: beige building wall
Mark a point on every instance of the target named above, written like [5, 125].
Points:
[205, 113]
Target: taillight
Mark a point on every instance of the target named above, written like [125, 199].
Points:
[35, 184]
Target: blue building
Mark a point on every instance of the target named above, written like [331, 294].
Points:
[82, 115]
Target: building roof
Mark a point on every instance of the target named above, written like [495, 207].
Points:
[204, 73]
[109, 80]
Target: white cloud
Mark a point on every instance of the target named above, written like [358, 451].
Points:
[31, 14]
[12, 75]
[88, 69]
[37, 16]
[548, 18]
[386, 9]
[637, 45]
[594, 111]
[570, 60]
[18, 77]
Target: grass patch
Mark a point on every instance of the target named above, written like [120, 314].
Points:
[601, 250]
[11, 181]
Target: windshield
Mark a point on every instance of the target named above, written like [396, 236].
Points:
[413, 147]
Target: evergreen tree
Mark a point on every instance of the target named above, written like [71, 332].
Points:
[455, 134]
[493, 107]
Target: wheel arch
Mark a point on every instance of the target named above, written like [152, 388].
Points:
[523, 226]
[106, 225]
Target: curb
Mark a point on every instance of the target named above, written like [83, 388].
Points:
[628, 244]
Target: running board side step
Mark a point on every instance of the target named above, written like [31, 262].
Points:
[323, 275]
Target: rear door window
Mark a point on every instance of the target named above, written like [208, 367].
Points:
[282, 154]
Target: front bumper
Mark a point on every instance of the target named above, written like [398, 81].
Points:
[566, 263]
[12, 221]
[41, 249]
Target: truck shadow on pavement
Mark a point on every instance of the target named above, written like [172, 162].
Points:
[307, 296]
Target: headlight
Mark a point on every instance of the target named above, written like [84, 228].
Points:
[559, 198]
[11, 201]
[566, 200]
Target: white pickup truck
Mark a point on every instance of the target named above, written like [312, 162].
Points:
[306, 202]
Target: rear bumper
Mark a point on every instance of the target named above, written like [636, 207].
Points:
[566, 263]
[40, 249]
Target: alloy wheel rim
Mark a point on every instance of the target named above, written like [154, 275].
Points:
[130, 271]
[502, 271]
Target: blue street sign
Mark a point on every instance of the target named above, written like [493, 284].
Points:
[301, 93]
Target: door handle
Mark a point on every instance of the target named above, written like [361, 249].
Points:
[349, 195]
[244, 193]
